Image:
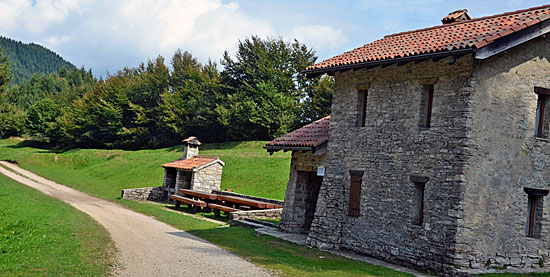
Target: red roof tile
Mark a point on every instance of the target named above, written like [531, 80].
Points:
[474, 33]
[191, 163]
[311, 135]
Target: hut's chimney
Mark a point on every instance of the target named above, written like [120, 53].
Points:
[456, 16]
[190, 147]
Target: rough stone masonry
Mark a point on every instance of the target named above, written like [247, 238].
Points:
[479, 155]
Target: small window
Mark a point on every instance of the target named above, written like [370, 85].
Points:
[541, 127]
[426, 106]
[361, 108]
[541, 106]
[355, 192]
[418, 198]
[535, 199]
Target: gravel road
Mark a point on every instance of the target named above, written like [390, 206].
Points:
[146, 247]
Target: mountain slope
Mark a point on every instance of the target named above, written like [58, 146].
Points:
[27, 59]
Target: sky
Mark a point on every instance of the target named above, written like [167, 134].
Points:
[107, 35]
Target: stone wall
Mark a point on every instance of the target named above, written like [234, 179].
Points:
[389, 149]
[208, 178]
[298, 198]
[149, 193]
[259, 214]
[506, 158]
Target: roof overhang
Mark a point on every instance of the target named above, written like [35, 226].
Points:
[493, 48]
[318, 149]
[371, 64]
[502, 44]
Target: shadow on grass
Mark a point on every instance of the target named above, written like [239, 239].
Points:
[43, 147]
[190, 210]
[292, 259]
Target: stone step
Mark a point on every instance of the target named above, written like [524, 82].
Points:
[265, 223]
[248, 224]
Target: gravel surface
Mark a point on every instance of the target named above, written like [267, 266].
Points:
[146, 246]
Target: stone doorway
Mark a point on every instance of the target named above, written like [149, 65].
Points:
[307, 192]
[170, 178]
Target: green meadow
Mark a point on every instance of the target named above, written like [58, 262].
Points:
[40, 235]
[249, 169]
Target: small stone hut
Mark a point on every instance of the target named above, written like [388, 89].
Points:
[308, 145]
[438, 152]
[192, 171]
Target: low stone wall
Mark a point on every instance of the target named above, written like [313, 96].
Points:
[272, 201]
[260, 214]
[149, 193]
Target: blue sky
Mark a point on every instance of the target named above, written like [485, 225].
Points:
[107, 35]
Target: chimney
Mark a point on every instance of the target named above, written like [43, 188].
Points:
[190, 147]
[456, 16]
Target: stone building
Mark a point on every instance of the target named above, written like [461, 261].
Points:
[192, 171]
[438, 152]
[308, 146]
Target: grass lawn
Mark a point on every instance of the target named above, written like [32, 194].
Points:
[249, 170]
[40, 235]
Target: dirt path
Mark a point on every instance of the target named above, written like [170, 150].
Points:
[147, 247]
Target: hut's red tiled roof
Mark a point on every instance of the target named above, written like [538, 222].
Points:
[191, 163]
[311, 135]
[475, 33]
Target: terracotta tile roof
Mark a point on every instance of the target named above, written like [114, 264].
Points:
[191, 163]
[475, 33]
[311, 135]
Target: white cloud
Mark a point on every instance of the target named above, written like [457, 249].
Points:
[39, 17]
[55, 40]
[10, 12]
[320, 37]
[108, 35]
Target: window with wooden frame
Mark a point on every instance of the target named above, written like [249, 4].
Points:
[356, 177]
[426, 102]
[541, 127]
[361, 108]
[535, 199]
[418, 198]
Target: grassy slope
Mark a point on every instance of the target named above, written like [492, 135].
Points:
[40, 235]
[249, 170]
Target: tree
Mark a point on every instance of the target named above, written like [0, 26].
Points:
[267, 96]
[41, 118]
[5, 75]
[189, 107]
[11, 118]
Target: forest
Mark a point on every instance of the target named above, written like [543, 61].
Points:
[28, 59]
[257, 93]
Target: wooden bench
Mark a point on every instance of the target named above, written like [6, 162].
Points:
[218, 207]
[188, 201]
[199, 194]
[248, 202]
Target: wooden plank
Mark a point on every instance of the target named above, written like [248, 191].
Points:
[222, 208]
[543, 91]
[248, 202]
[196, 203]
[199, 194]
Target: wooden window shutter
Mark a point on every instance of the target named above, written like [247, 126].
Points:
[355, 192]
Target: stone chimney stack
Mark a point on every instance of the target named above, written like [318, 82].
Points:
[456, 16]
[190, 147]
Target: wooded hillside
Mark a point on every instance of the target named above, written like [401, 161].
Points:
[259, 94]
[28, 59]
